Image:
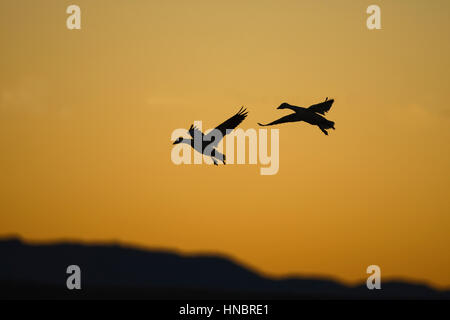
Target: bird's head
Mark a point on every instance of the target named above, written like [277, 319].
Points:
[284, 105]
[179, 140]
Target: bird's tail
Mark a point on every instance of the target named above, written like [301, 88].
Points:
[263, 125]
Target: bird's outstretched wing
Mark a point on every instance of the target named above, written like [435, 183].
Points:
[229, 124]
[322, 107]
[233, 122]
[194, 129]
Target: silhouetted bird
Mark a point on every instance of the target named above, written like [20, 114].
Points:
[206, 144]
[309, 115]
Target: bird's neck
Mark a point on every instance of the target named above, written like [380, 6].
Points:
[187, 141]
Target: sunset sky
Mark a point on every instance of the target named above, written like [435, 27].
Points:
[86, 118]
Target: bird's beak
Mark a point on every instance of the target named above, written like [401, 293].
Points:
[176, 142]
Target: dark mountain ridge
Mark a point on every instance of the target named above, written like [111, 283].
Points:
[113, 271]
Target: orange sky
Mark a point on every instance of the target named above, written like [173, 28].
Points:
[86, 118]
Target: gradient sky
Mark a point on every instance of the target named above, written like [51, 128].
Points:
[86, 118]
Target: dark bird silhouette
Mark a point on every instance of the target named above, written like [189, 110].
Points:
[206, 144]
[310, 115]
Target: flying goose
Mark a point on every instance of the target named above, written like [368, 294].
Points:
[208, 143]
[310, 115]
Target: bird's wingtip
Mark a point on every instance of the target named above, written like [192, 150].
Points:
[243, 112]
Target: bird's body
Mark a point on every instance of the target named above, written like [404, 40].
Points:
[310, 115]
[206, 144]
[201, 146]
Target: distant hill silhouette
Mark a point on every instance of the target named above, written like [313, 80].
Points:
[113, 271]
